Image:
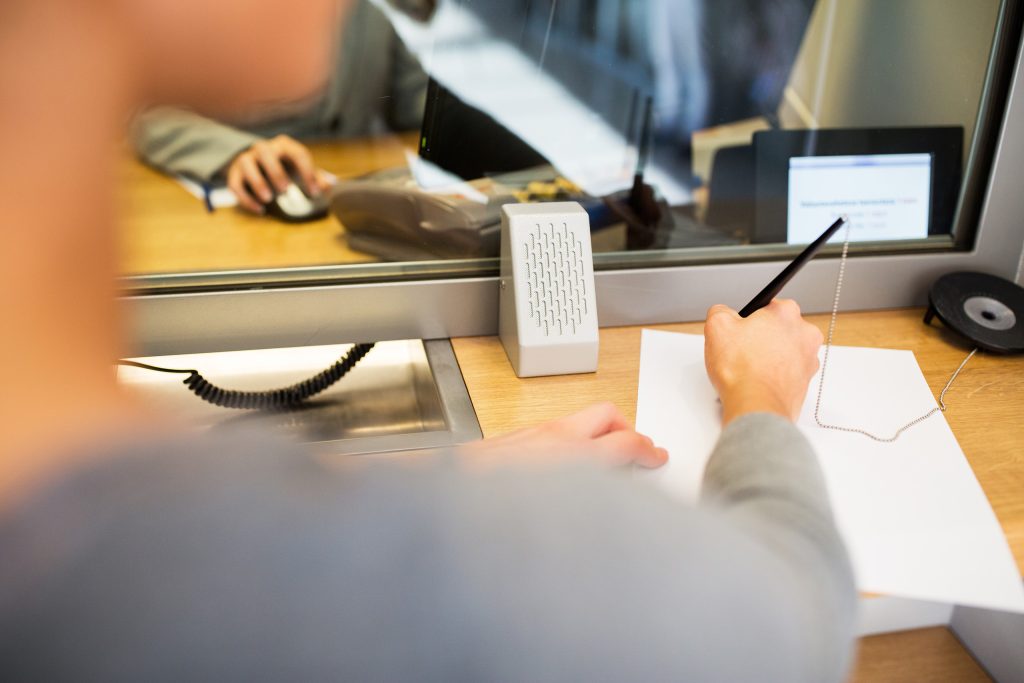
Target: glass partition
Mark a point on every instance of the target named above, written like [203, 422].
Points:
[692, 131]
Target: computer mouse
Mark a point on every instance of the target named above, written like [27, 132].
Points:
[295, 206]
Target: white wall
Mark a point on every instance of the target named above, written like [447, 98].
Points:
[891, 63]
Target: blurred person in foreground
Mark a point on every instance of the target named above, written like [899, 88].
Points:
[375, 84]
[134, 552]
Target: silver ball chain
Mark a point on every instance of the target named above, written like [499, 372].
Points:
[824, 365]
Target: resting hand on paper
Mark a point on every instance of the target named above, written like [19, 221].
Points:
[259, 173]
[762, 363]
[600, 431]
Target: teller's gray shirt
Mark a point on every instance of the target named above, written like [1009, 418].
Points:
[241, 558]
[376, 85]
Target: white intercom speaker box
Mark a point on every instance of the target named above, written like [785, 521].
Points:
[547, 311]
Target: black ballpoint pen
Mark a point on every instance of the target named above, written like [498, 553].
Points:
[765, 296]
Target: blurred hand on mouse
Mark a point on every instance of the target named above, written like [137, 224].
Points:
[261, 172]
[600, 431]
[762, 363]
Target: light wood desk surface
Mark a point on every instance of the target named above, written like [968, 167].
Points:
[985, 411]
[166, 230]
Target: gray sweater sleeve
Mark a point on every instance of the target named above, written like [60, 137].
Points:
[240, 557]
[764, 479]
[182, 142]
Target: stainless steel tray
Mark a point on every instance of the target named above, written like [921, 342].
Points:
[404, 395]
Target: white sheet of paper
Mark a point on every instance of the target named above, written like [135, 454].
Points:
[220, 197]
[913, 515]
[433, 179]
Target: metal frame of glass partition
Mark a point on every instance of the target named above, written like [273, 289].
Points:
[191, 313]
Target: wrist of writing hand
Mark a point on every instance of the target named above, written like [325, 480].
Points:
[744, 400]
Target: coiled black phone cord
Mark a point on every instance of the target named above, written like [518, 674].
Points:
[274, 399]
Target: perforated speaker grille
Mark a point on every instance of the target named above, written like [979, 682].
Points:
[555, 279]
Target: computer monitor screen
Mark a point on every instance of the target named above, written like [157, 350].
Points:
[895, 183]
[885, 196]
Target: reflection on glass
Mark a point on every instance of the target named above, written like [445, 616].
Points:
[678, 124]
